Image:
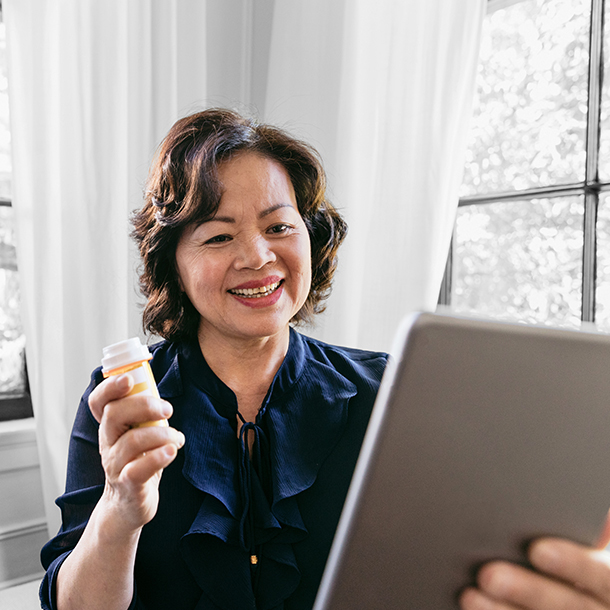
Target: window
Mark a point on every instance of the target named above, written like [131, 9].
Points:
[14, 397]
[532, 234]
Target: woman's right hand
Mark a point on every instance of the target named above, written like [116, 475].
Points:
[132, 458]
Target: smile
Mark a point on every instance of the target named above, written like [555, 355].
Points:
[256, 293]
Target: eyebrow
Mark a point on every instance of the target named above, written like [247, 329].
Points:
[273, 208]
[265, 212]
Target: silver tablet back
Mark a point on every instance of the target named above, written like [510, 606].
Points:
[484, 436]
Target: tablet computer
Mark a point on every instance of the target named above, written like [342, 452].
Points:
[484, 436]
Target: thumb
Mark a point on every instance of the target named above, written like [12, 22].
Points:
[604, 537]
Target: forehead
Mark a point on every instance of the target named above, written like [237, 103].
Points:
[254, 174]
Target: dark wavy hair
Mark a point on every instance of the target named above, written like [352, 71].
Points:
[183, 188]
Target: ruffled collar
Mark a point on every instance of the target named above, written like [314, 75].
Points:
[302, 419]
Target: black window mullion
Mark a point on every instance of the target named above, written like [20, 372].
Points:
[592, 162]
[595, 91]
[589, 257]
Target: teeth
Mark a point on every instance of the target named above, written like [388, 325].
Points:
[256, 293]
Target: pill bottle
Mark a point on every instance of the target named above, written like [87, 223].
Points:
[132, 357]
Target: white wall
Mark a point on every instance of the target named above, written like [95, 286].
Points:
[23, 527]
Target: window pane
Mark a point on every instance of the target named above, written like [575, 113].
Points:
[12, 340]
[520, 260]
[602, 290]
[604, 136]
[529, 121]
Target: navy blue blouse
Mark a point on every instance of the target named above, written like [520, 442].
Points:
[236, 529]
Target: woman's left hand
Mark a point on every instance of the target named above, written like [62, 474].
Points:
[570, 576]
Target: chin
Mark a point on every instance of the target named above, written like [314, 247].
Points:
[262, 329]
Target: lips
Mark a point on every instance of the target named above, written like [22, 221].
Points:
[256, 292]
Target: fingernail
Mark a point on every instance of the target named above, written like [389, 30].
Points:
[166, 409]
[181, 439]
[124, 381]
[472, 598]
[544, 555]
[496, 579]
[170, 450]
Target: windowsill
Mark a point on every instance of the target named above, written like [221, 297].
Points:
[17, 430]
[15, 407]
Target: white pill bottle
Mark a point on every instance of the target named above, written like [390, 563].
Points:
[130, 356]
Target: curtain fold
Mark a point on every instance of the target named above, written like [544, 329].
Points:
[93, 88]
[391, 123]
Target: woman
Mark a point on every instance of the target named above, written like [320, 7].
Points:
[238, 242]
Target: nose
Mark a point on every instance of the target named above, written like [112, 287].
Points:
[254, 253]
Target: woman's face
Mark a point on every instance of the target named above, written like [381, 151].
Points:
[247, 271]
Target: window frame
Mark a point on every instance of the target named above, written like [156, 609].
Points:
[590, 188]
[15, 406]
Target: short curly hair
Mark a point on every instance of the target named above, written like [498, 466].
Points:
[183, 188]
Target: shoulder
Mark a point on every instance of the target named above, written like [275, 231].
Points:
[164, 354]
[163, 349]
[359, 366]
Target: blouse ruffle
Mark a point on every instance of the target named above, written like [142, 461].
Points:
[302, 419]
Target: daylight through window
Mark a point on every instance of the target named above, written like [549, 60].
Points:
[14, 399]
[531, 240]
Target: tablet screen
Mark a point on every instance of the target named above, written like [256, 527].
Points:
[484, 436]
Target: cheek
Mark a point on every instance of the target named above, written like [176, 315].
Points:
[307, 269]
[304, 262]
[179, 275]
[191, 271]
[305, 274]
[183, 269]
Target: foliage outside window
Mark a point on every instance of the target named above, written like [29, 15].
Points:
[14, 399]
[531, 240]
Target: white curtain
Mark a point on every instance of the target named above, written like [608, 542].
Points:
[382, 89]
[385, 91]
[93, 88]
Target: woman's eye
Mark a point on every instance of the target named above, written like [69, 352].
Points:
[278, 229]
[218, 239]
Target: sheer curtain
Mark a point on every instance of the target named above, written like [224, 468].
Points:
[93, 87]
[385, 91]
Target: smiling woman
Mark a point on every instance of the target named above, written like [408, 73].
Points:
[238, 244]
[235, 504]
[185, 189]
[247, 271]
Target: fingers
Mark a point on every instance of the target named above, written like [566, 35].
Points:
[131, 454]
[125, 413]
[604, 538]
[573, 576]
[507, 585]
[473, 599]
[114, 390]
[133, 467]
[144, 467]
[110, 389]
[117, 412]
[584, 567]
[130, 499]
[152, 448]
